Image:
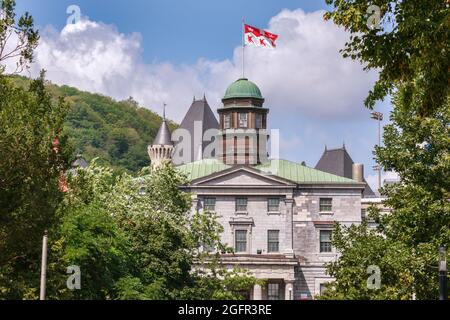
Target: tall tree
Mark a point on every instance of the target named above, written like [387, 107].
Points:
[408, 43]
[32, 157]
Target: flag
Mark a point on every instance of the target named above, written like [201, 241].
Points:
[259, 38]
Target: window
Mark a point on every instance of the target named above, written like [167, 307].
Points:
[243, 120]
[322, 288]
[240, 244]
[258, 121]
[241, 204]
[208, 248]
[273, 291]
[209, 204]
[273, 205]
[326, 205]
[325, 240]
[363, 214]
[227, 121]
[273, 242]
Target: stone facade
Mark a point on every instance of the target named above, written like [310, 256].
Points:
[277, 215]
[297, 269]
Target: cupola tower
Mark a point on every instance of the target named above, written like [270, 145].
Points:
[243, 125]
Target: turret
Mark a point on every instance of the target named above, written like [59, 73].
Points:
[162, 148]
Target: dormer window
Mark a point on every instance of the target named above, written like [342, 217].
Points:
[243, 120]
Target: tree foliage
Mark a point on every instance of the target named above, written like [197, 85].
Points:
[30, 168]
[409, 44]
[116, 132]
[135, 238]
[18, 37]
[410, 49]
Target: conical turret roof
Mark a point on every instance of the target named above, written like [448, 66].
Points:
[164, 137]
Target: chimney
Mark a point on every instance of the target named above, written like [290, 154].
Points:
[358, 172]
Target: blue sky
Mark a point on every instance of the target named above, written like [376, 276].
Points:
[210, 28]
[167, 51]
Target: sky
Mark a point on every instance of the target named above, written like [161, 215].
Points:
[167, 51]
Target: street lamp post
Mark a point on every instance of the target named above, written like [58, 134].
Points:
[43, 267]
[378, 116]
[442, 274]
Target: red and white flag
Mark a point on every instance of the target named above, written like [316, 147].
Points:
[259, 38]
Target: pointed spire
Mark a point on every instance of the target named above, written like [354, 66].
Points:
[326, 148]
[204, 97]
[343, 145]
[164, 136]
[194, 98]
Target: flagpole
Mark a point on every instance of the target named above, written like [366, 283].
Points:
[243, 48]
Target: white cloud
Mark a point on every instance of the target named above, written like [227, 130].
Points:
[305, 74]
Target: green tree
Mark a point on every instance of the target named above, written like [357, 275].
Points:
[88, 237]
[30, 168]
[135, 238]
[410, 49]
[20, 31]
[168, 241]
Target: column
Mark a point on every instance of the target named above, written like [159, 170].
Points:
[289, 240]
[289, 290]
[257, 292]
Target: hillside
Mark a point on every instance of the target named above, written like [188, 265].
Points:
[117, 132]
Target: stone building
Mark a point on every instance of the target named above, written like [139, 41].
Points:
[278, 215]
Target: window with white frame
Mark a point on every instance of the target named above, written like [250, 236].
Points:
[209, 204]
[241, 204]
[326, 205]
[240, 241]
[243, 120]
[273, 241]
[325, 241]
[273, 204]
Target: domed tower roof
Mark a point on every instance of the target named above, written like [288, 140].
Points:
[243, 88]
[164, 137]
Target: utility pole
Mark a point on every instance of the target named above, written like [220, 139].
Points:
[442, 274]
[44, 266]
[378, 116]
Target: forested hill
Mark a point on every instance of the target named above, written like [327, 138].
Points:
[117, 132]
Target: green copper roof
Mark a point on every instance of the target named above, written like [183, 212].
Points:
[203, 168]
[300, 174]
[288, 170]
[243, 88]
